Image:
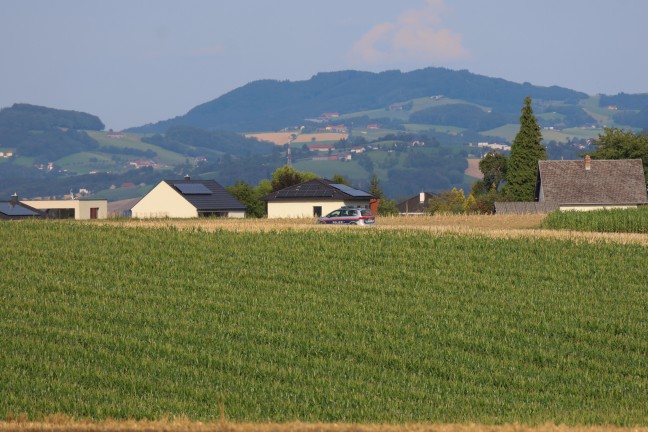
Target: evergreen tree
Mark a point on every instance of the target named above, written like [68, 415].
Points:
[375, 189]
[526, 150]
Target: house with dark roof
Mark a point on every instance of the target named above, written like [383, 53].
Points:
[314, 198]
[15, 210]
[416, 205]
[591, 183]
[188, 199]
[587, 184]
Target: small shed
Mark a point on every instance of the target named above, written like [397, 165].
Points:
[314, 198]
[416, 205]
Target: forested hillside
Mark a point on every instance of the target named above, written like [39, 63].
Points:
[46, 133]
[271, 105]
[192, 141]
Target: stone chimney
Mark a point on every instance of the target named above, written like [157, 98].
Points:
[588, 163]
[14, 198]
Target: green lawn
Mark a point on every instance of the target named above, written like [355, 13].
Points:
[341, 325]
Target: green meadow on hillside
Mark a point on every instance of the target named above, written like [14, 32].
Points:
[333, 325]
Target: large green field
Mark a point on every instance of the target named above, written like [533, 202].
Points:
[331, 325]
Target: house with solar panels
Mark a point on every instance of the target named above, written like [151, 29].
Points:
[14, 209]
[188, 199]
[314, 198]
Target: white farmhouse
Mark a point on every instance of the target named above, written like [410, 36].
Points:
[314, 198]
[188, 199]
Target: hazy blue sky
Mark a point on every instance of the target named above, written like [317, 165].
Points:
[138, 61]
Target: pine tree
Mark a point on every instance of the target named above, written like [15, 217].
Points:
[375, 189]
[526, 150]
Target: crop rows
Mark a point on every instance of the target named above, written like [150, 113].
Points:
[609, 220]
[325, 325]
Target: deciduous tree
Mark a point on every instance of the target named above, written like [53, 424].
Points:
[286, 176]
[621, 144]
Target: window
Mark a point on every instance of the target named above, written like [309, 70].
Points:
[213, 214]
[317, 211]
[59, 213]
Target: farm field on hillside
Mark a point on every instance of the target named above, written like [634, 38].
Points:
[345, 326]
[319, 138]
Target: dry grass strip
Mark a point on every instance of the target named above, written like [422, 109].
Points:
[495, 226]
[62, 423]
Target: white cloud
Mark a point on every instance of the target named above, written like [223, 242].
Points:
[416, 35]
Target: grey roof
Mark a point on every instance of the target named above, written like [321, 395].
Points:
[216, 199]
[10, 209]
[606, 182]
[319, 189]
[414, 204]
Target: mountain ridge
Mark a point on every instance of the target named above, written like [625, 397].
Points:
[272, 104]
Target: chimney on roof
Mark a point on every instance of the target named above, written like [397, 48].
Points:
[187, 177]
[14, 198]
[588, 163]
[422, 197]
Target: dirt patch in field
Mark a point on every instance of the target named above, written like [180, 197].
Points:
[473, 168]
[276, 138]
[186, 425]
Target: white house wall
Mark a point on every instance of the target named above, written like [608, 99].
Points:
[304, 209]
[594, 207]
[163, 201]
[82, 208]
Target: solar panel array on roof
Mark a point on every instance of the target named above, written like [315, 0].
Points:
[350, 191]
[305, 191]
[16, 210]
[301, 193]
[193, 188]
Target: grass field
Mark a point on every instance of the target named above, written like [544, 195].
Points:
[402, 325]
[320, 138]
[134, 141]
[277, 138]
[608, 220]
[61, 423]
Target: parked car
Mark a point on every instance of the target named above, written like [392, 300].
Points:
[349, 215]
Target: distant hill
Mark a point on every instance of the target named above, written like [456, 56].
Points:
[271, 105]
[46, 133]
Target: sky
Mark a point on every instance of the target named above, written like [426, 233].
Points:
[133, 62]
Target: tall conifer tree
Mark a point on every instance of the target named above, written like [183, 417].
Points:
[526, 151]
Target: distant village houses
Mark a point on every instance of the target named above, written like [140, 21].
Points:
[113, 134]
[494, 146]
